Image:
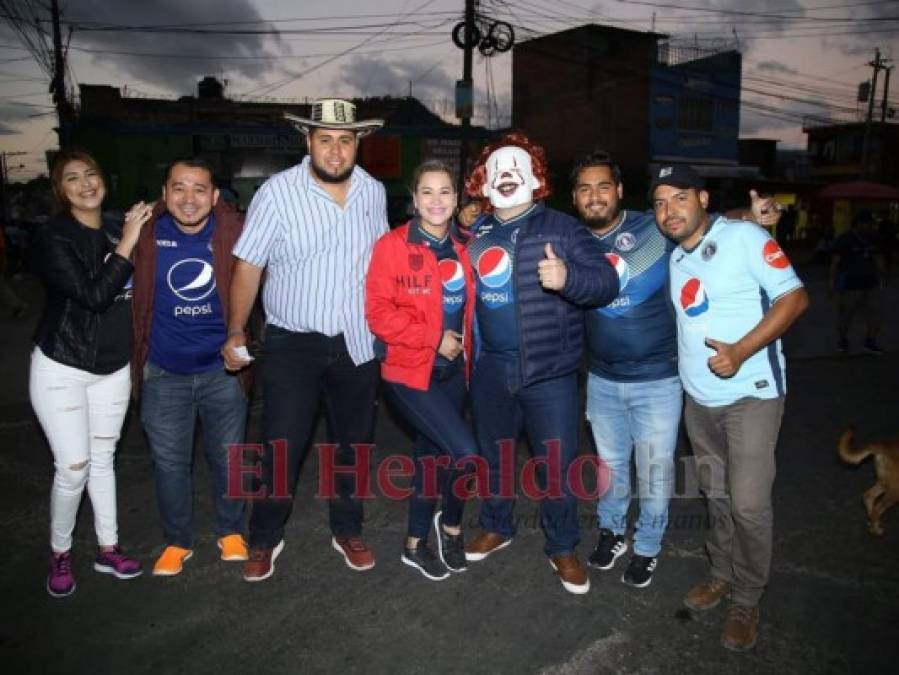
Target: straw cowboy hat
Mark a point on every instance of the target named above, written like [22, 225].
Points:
[334, 113]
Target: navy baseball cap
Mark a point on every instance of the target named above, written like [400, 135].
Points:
[676, 175]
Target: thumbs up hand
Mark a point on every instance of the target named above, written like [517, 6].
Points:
[727, 359]
[552, 270]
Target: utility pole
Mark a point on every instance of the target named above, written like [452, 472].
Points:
[877, 64]
[886, 95]
[468, 85]
[58, 86]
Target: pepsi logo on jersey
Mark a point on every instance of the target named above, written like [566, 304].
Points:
[453, 278]
[494, 269]
[693, 298]
[191, 280]
[621, 267]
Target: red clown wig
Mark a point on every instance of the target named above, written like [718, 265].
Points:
[475, 182]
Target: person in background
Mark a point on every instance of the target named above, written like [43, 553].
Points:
[857, 275]
[8, 297]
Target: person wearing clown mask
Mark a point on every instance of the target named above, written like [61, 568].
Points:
[535, 270]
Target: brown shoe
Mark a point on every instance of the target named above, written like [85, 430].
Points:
[483, 545]
[741, 627]
[571, 572]
[707, 595]
[356, 554]
[260, 562]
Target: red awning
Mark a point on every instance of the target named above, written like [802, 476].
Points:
[860, 190]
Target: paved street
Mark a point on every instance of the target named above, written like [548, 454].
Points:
[831, 606]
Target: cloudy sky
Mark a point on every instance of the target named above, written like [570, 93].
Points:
[800, 57]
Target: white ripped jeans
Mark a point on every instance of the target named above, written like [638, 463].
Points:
[81, 414]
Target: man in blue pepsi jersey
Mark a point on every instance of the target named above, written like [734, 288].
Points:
[634, 394]
[735, 293]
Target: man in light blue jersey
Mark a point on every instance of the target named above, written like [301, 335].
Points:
[312, 228]
[734, 293]
[634, 395]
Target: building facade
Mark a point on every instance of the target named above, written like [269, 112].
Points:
[631, 93]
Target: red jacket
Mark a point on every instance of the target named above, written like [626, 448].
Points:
[228, 226]
[404, 305]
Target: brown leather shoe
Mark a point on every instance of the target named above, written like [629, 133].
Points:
[260, 562]
[571, 572]
[356, 554]
[483, 545]
[707, 595]
[741, 627]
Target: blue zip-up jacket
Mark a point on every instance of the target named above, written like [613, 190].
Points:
[551, 324]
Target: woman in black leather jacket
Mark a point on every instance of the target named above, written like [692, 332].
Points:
[80, 379]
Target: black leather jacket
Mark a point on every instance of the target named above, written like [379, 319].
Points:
[81, 276]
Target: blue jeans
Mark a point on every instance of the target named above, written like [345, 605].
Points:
[639, 418]
[436, 415]
[169, 408]
[547, 411]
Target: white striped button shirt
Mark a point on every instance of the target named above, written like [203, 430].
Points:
[317, 253]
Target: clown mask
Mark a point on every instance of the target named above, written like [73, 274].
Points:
[510, 178]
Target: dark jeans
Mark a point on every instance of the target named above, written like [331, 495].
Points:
[296, 369]
[548, 411]
[170, 404]
[436, 415]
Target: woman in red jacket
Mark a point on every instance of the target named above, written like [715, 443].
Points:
[418, 303]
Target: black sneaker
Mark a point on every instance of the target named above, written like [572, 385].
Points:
[424, 561]
[608, 549]
[639, 572]
[872, 347]
[450, 547]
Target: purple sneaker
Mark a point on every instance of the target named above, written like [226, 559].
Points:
[60, 581]
[118, 564]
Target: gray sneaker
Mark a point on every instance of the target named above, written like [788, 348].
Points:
[450, 547]
[424, 560]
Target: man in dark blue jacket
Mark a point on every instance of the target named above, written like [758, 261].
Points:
[536, 271]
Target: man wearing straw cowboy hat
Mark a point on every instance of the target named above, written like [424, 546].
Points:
[311, 228]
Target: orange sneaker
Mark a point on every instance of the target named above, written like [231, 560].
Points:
[233, 547]
[171, 562]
